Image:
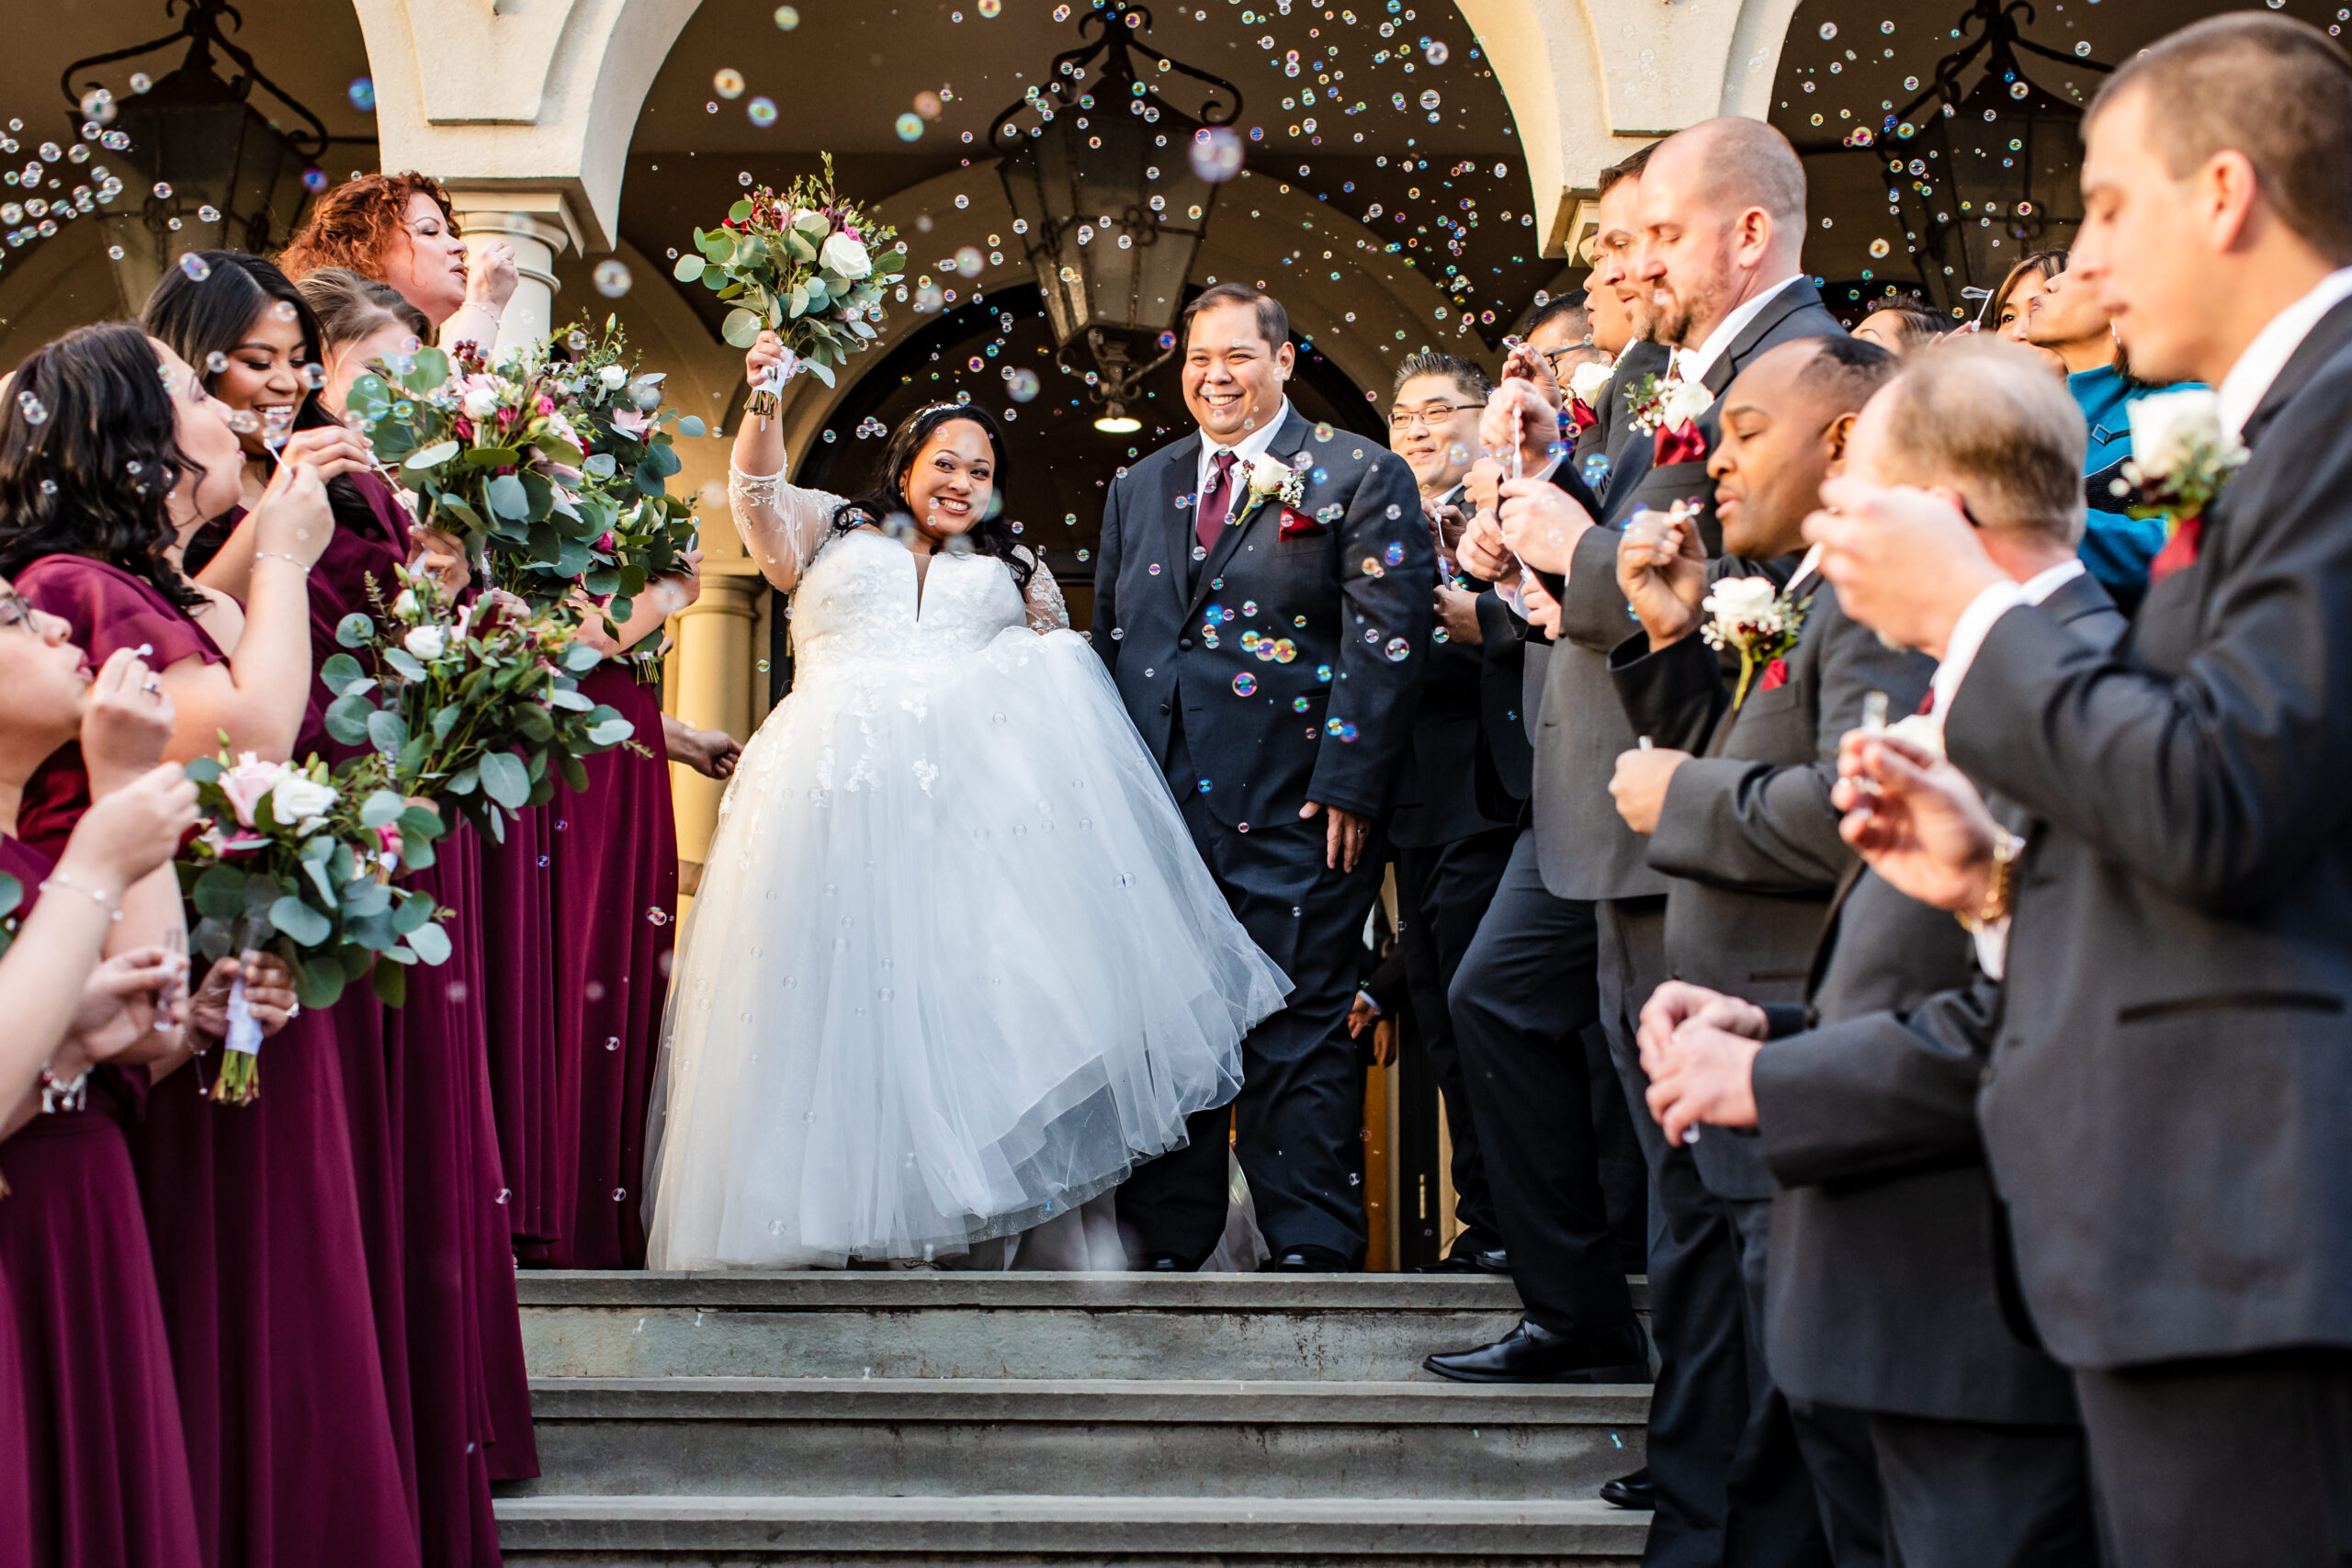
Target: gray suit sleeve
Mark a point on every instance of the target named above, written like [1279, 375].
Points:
[2215, 785]
[1762, 828]
[1878, 1095]
[1106, 578]
[1593, 612]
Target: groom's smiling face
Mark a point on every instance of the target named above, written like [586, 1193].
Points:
[1233, 376]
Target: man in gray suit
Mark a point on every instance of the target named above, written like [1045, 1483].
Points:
[1884, 1289]
[2165, 1108]
[1720, 221]
[1734, 800]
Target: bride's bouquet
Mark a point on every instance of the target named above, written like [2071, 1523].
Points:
[629, 438]
[492, 453]
[299, 862]
[475, 707]
[805, 263]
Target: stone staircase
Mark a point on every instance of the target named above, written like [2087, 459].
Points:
[911, 1418]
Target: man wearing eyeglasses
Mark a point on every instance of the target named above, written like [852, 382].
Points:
[1465, 771]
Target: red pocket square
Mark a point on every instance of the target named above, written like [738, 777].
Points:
[1684, 444]
[1298, 525]
[1776, 675]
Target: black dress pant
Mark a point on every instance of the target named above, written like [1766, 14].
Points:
[1978, 1494]
[1519, 1004]
[2243, 1461]
[1732, 1487]
[1298, 1126]
[1445, 890]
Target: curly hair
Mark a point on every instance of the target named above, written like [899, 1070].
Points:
[886, 493]
[93, 473]
[357, 224]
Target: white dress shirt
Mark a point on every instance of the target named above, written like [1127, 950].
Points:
[1246, 450]
[1508, 592]
[1694, 363]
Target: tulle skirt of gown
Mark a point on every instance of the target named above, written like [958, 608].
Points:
[954, 966]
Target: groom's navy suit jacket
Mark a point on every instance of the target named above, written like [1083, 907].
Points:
[1352, 597]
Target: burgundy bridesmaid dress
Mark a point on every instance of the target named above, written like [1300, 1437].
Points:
[91, 1443]
[535, 1088]
[253, 1220]
[615, 864]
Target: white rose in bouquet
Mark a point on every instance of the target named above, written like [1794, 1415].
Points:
[844, 255]
[480, 401]
[299, 800]
[427, 642]
[613, 377]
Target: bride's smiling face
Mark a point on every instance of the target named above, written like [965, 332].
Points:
[954, 476]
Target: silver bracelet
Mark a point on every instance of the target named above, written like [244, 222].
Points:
[59, 879]
[281, 555]
[495, 312]
[58, 1095]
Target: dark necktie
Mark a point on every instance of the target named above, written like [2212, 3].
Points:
[1215, 502]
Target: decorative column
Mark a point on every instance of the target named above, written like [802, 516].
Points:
[714, 687]
[538, 224]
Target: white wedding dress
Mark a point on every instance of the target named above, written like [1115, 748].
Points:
[954, 966]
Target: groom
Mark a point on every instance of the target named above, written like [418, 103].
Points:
[1264, 601]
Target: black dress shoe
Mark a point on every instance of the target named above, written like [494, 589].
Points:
[1162, 1263]
[1307, 1260]
[1467, 1261]
[1632, 1491]
[1533, 1354]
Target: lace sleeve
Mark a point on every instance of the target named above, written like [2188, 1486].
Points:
[1047, 611]
[781, 524]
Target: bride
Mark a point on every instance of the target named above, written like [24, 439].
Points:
[954, 967]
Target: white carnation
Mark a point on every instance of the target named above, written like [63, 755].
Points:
[295, 799]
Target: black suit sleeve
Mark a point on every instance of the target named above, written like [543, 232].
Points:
[1373, 695]
[1674, 694]
[1107, 576]
[1877, 1095]
[2216, 784]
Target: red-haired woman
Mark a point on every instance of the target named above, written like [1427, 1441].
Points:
[400, 229]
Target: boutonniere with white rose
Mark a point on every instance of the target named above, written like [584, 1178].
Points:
[1587, 384]
[2180, 460]
[299, 863]
[1754, 620]
[1271, 479]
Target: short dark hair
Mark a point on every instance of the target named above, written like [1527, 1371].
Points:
[1273, 322]
[1551, 310]
[2275, 89]
[1467, 376]
[1919, 322]
[1629, 167]
[1848, 369]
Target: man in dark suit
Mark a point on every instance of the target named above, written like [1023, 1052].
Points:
[1456, 805]
[1882, 1300]
[1733, 798]
[1720, 221]
[2164, 1111]
[1262, 602]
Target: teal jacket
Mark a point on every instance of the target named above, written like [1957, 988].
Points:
[2116, 549]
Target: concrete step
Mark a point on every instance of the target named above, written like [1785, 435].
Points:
[910, 1323]
[977, 1438]
[1136, 1532]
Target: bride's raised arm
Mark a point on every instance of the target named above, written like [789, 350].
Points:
[781, 524]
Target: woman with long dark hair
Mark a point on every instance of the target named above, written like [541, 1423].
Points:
[954, 966]
[416, 1079]
[252, 1211]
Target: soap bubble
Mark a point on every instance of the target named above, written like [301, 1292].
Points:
[141, 81]
[208, 214]
[362, 92]
[910, 127]
[1245, 684]
[788, 18]
[1880, 247]
[31, 408]
[990, 7]
[163, 191]
[2083, 50]
[727, 81]
[1429, 99]
[196, 266]
[612, 277]
[762, 112]
[1434, 52]
[314, 180]
[968, 261]
[1216, 153]
[1828, 31]
[1396, 650]
[97, 107]
[1021, 383]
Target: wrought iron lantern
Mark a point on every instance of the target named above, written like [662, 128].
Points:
[1106, 196]
[205, 168]
[1990, 175]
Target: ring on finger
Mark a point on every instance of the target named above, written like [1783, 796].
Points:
[151, 686]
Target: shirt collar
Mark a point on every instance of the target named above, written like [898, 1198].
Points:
[2249, 379]
[1246, 450]
[2042, 584]
[1694, 363]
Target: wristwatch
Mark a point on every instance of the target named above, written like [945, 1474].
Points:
[2000, 893]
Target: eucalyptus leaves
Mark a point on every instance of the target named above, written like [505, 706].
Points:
[804, 263]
